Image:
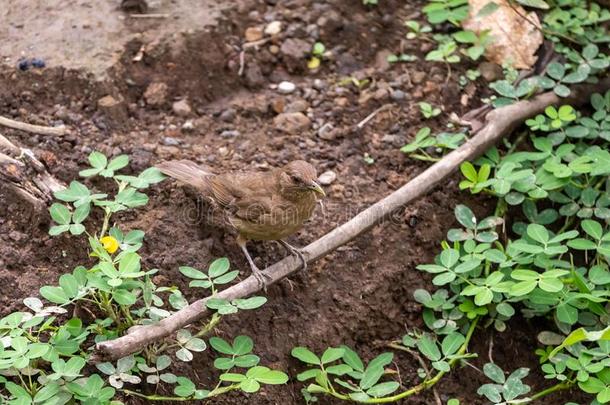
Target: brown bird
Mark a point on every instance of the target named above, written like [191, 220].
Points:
[257, 205]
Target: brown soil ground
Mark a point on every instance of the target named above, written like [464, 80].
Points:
[361, 295]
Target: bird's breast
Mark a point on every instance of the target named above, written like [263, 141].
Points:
[283, 219]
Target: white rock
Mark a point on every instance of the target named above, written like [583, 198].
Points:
[286, 87]
[182, 108]
[327, 178]
[273, 28]
[188, 126]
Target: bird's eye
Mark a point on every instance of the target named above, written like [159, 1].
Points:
[295, 178]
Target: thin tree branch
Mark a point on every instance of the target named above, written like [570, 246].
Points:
[26, 175]
[499, 123]
[36, 129]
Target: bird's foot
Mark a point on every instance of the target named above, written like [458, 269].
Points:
[296, 252]
[262, 278]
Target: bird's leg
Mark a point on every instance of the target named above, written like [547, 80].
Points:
[296, 252]
[256, 272]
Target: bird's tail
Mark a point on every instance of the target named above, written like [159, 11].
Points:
[187, 172]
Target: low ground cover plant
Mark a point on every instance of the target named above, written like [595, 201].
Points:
[545, 251]
[45, 348]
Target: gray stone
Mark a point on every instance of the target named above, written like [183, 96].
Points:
[394, 140]
[295, 48]
[169, 141]
[182, 108]
[418, 76]
[319, 84]
[490, 71]
[398, 95]
[327, 178]
[294, 52]
[230, 133]
[291, 122]
[228, 115]
[156, 94]
[297, 106]
[381, 60]
[286, 87]
[254, 75]
[327, 132]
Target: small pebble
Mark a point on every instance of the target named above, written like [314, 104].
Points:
[326, 132]
[398, 95]
[341, 101]
[23, 64]
[26, 63]
[188, 126]
[297, 106]
[393, 139]
[230, 133]
[38, 63]
[169, 141]
[273, 28]
[490, 71]
[319, 84]
[182, 108]
[228, 115]
[327, 178]
[253, 34]
[418, 76]
[286, 87]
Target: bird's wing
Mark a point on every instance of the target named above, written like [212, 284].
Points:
[245, 195]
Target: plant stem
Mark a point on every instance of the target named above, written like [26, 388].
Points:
[107, 215]
[125, 311]
[107, 307]
[428, 383]
[568, 222]
[210, 325]
[517, 142]
[425, 158]
[156, 397]
[557, 387]
[213, 393]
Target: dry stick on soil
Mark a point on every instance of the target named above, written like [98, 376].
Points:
[143, 16]
[36, 129]
[499, 123]
[26, 175]
[372, 115]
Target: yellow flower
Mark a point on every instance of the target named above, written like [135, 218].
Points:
[110, 244]
[313, 63]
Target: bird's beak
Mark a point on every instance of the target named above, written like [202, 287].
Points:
[316, 187]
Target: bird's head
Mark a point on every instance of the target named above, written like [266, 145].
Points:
[298, 177]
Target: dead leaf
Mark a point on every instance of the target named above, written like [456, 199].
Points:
[515, 40]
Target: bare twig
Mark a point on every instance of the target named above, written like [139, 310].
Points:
[242, 56]
[25, 174]
[540, 28]
[145, 16]
[255, 44]
[491, 347]
[36, 129]
[140, 55]
[424, 366]
[372, 115]
[474, 367]
[499, 123]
